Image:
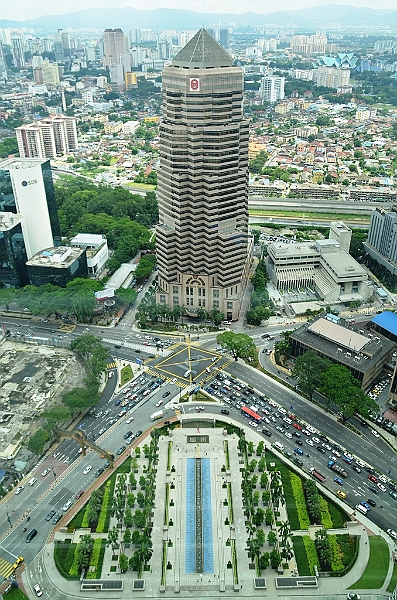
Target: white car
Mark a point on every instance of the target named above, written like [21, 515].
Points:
[159, 403]
[266, 419]
[129, 420]
[381, 487]
[392, 533]
[87, 469]
[359, 463]
[310, 442]
[38, 590]
[19, 490]
[174, 380]
[252, 424]
[138, 336]
[375, 433]
[288, 435]
[315, 440]
[45, 472]
[310, 429]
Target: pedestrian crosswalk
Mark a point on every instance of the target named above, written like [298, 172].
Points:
[112, 365]
[6, 568]
[170, 379]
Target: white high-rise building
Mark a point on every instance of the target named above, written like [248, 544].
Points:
[32, 196]
[272, 88]
[47, 138]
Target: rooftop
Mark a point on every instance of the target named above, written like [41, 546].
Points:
[59, 257]
[21, 163]
[202, 52]
[9, 220]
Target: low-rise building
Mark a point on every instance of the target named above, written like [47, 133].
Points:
[97, 250]
[363, 353]
[57, 265]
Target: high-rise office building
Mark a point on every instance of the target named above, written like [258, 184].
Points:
[26, 187]
[50, 137]
[114, 44]
[381, 243]
[272, 88]
[13, 271]
[18, 50]
[203, 244]
[224, 38]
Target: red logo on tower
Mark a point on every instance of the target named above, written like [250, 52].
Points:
[194, 84]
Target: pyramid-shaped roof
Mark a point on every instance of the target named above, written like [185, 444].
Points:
[202, 52]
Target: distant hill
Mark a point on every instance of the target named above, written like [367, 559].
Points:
[168, 18]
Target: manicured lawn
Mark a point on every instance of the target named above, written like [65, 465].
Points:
[377, 567]
[300, 555]
[126, 374]
[308, 215]
[393, 580]
[16, 594]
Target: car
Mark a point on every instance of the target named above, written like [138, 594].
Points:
[298, 451]
[393, 486]
[67, 505]
[79, 494]
[122, 413]
[375, 433]
[338, 480]
[356, 469]
[98, 414]
[370, 470]
[288, 435]
[166, 394]
[129, 420]
[381, 487]
[45, 472]
[327, 447]
[360, 463]
[267, 432]
[121, 450]
[393, 495]
[353, 596]
[87, 469]
[392, 533]
[371, 502]
[365, 505]
[57, 518]
[19, 489]
[347, 460]
[138, 433]
[341, 495]
[159, 403]
[38, 590]
[298, 461]
[127, 435]
[106, 464]
[99, 472]
[321, 449]
[383, 479]
[118, 401]
[309, 442]
[224, 411]
[51, 515]
[315, 440]
[373, 489]
[252, 424]
[373, 478]
[102, 431]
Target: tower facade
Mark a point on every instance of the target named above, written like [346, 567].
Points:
[203, 245]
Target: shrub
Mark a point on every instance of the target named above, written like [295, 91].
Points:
[325, 514]
[105, 504]
[311, 553]
[297, 490]
[300, 555]
[336, 560]
[338, 516]
[347, 547]
[95, 559]
[63, 556]
[74, 569]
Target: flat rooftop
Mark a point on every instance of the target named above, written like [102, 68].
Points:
[60, 257]
[339, 335]
[22, 163]
[9, 220]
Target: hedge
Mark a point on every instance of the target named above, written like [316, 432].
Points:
[347, 547]
[338, 516]
[95, 560]
[74, 571]
[311, 553]
[336, 561]
[300, 555]
[100, 528]
[63, 557]
[297, 489]
[325, 514]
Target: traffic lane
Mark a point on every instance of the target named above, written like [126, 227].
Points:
[379, 453]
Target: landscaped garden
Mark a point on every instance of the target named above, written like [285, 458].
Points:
[377, 567]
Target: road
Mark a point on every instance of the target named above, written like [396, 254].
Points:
[66, 465]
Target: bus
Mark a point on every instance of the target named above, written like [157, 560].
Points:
[250, 414]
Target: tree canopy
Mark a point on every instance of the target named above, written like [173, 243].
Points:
[308, 369]
[240, 345]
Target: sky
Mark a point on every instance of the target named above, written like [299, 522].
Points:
[30, 9]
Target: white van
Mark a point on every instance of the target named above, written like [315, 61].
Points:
[32, 481]
[278, 446]
[361, 508]
[187, 373]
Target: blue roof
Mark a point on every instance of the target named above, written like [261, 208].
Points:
[387, 320]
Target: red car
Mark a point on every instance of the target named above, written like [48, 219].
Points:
[372, 478]
[79, 494]
[297, 426]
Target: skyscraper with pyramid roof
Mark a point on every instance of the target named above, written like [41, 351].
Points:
[203, 246]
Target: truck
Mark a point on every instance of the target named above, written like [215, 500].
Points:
[157, 415]
[335, 467]
[317, 475]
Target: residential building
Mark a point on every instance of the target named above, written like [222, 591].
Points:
[324, 265]
[50, 137]
[18, 50]
[224, 38]
[3, 67]
[13, 272]
[114, 44]
[26, 188]
[361, 352]
[50, 72]
[57, 265]
[272, 88]
[203, 244]
[332, 77]
[130, 80]
[97, 250]
[381, 243]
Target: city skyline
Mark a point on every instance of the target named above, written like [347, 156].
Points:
[21, 10]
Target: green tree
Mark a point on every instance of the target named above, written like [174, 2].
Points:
[38, 441]
[240, 345]
[216, 317]
[308, 369]
[275, 559]
[323, 547]
[123, 563]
